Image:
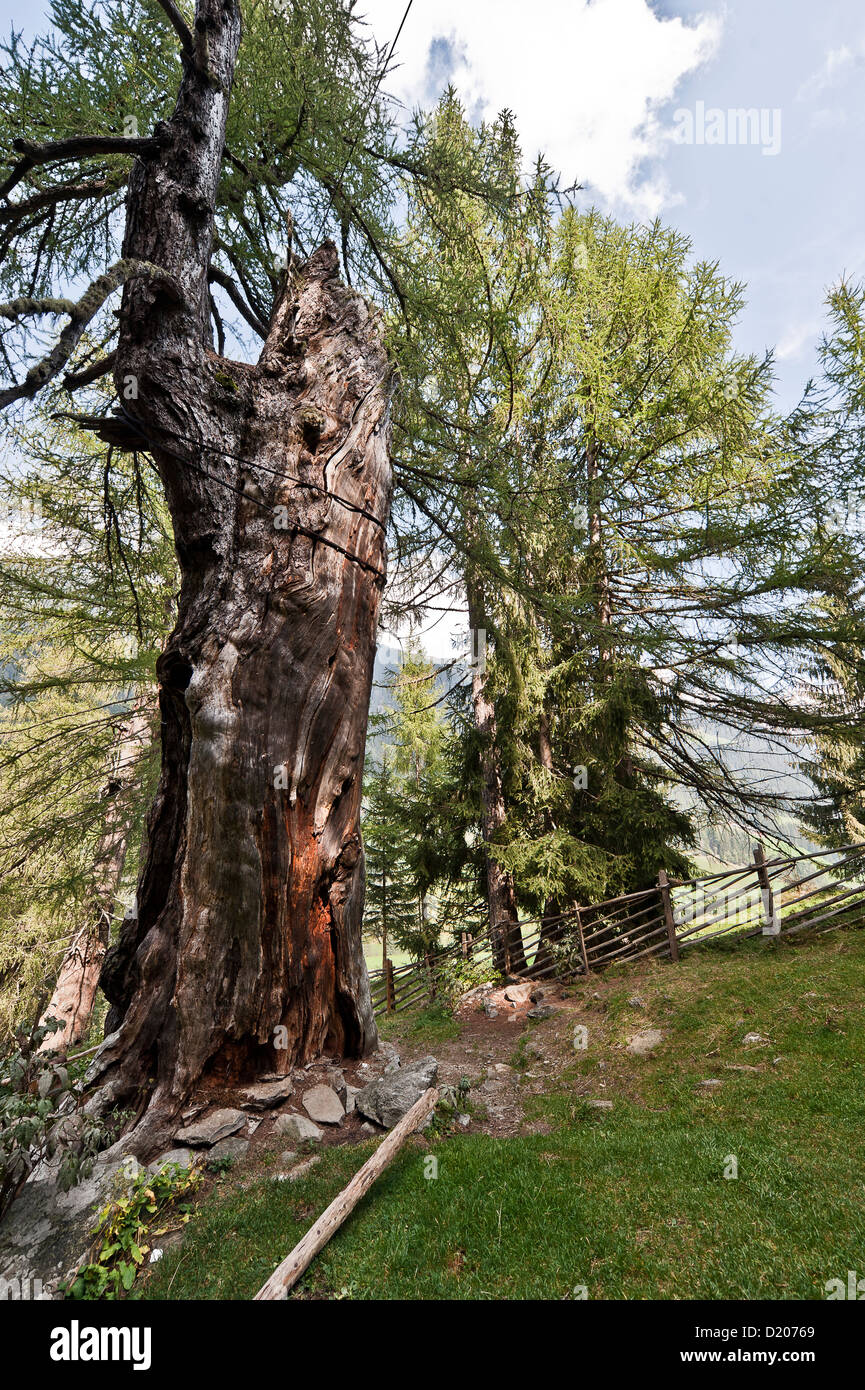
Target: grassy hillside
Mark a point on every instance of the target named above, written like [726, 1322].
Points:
[629, 1202]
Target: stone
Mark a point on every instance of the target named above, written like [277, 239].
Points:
[542, 1011]
[641, 1044]
[600, 1104]
[299, 1170]
[287, 1156]
[181, 1156]
[350, 1093]
[754, 1038]
[215, 1126]
[46, 1233]
[490, 1010]
[265, 1094]
[519, 994]
[297, 1127]
[233, 1147]
[464, 1120]
[323, 1105]
[636, 1002]
[710, 1084]
[389, 1098]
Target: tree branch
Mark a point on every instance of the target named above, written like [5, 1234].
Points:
[225, 282]
[79, 147]
[179, 25]
[80, 314]
[73, 381]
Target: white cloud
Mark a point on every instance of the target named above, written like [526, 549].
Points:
[586, 78]
[837, 64]
[796, 337]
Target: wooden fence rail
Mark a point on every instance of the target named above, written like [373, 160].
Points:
[769, 897]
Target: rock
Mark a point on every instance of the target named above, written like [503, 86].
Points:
[322, 1104]
[350, 1093]
[464, 1120]
[710, 1084]
[388, 1099]
[754, 1038]
[600, 1104]
[519, 994]
[265, 1094]
[287, 1156]
[233, 1147]
[297, 1127]
[641, 1044]
[181, 1156]
[215, 1126]
[46, 1233]
[299, 1170]
[493, 1088]
[636, 1002]
[490, 1010]
[542, 1011]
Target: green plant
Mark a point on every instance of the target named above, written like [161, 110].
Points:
[458, 974]
[126, 1225]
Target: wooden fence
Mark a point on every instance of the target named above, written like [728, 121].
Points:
[769, 897]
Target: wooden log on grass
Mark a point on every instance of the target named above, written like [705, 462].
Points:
[286, 1275]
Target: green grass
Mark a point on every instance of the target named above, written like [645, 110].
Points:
[632, 1203]
[372, 955]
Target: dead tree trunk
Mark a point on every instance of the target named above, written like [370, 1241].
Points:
[74, 991]
[246, 954]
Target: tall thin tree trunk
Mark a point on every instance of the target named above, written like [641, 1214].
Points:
[74, 992]
[508, 953]
[247, 952]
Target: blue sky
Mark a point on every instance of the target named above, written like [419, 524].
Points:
[597, 84]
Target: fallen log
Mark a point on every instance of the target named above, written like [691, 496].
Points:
[286, 1275]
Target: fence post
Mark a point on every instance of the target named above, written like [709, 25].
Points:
[582, 941]
[666, 899]
[464, 944]
[772, 925]
[432, 979]
[389, 987]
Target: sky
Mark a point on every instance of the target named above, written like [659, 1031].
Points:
[631, 99]
[600, 87]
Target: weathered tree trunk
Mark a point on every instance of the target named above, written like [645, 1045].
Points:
[508, 954]
[74, 991]
[246, 955]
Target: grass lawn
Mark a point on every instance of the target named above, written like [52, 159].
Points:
[632, 1202]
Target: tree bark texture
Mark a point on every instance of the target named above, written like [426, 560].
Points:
[74, 992]
[507, 940]
[246, 955]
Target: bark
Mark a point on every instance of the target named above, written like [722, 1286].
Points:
[508, 954]
[246, 955]
[74, 990]
[551, 926]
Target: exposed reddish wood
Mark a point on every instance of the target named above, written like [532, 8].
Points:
[286, 1275]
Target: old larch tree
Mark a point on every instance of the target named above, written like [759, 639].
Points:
[245, 955]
